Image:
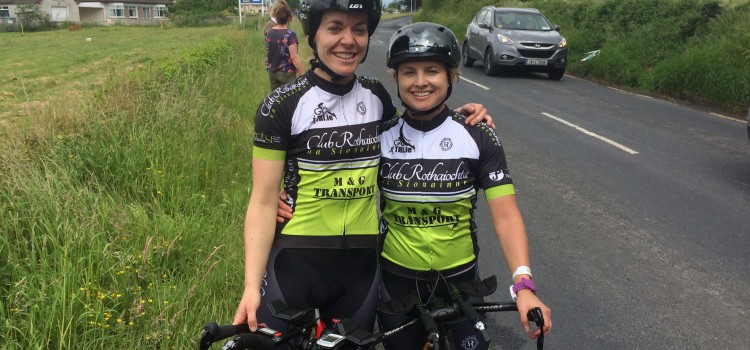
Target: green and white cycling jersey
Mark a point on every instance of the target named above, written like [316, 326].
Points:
[430, 172]
[327, 135]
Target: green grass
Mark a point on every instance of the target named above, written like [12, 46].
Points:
[41, 66]
[121, 210]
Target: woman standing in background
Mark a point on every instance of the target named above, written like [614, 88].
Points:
[282, 58]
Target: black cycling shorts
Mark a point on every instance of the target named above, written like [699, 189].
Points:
[342, 283]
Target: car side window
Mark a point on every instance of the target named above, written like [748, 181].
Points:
[485, 18]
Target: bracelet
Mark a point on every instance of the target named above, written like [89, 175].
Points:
[522, 270]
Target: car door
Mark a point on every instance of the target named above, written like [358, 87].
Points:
[484, 30]
[472, 31]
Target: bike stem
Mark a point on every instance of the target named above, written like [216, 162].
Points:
[468, 310]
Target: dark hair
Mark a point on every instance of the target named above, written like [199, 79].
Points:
[276, 6]
[283, 15]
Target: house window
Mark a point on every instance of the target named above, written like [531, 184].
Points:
[116, 10]
[4, 11]
[132, 11]
[160, 11]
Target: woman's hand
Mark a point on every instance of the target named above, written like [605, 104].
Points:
[476, 113]
[527, 301]
[284, 212]
[247, 308]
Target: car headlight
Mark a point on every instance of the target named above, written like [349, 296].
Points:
[563, 43]
[505, 40]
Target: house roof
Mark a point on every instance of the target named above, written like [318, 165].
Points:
[15, 2]
[151, 2]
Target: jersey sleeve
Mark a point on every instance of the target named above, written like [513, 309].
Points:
[494, 176]
[272, 129]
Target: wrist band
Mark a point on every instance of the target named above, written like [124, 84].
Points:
[521, 270]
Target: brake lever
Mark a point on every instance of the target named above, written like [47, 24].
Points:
[535, 315]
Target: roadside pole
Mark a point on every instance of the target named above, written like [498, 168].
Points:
[239, 9]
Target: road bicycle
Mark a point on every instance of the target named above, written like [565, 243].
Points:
[308, 331]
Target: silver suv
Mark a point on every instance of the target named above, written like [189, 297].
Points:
[520, 38]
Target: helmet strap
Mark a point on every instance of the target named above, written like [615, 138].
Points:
[316, 63]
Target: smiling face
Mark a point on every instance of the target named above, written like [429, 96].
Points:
[422, 85]
[341, 42]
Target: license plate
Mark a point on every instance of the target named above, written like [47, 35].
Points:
[536, 62]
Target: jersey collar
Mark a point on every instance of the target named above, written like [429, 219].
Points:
[428, 125]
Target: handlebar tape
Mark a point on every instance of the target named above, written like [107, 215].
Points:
[536, 315]
[226, 331]
[253, 341]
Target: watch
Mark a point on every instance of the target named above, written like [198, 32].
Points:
[522, 284]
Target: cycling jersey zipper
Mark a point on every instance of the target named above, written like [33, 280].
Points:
[346, 202]
[421, 192]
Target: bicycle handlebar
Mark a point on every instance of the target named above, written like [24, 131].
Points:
[265, 338]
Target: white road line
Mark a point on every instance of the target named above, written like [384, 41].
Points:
[727, 118]
[602, 138]
[628, 92]
[475, 83]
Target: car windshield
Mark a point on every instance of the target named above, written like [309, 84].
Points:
[521, 20]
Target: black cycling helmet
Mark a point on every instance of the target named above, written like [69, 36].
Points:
[424, 41]
[311, 11]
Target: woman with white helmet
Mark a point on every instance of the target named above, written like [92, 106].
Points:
[432, 166]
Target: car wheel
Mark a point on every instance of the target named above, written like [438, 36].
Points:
[467, 61]
[556, 73]
[489, 67]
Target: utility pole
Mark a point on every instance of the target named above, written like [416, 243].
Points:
[239, 9]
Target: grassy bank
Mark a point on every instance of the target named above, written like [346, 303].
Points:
[696, 50]
[121, 212]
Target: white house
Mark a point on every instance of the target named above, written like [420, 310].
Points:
[129, 12]
[58, 10]
[107, 12]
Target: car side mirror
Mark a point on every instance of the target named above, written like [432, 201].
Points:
[484, 25]
[557, 28]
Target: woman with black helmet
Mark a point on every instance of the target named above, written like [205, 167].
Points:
[320, 135]
[432, 166]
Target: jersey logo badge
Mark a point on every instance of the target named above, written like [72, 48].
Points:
[497, 175]
[361, 109]
[402, 144]
[323, 114]
[446, 144]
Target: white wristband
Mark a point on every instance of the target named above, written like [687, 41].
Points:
[521, 270]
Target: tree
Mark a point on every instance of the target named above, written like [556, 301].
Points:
[30, 17]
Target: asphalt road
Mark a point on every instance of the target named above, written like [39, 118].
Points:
[637, 209]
